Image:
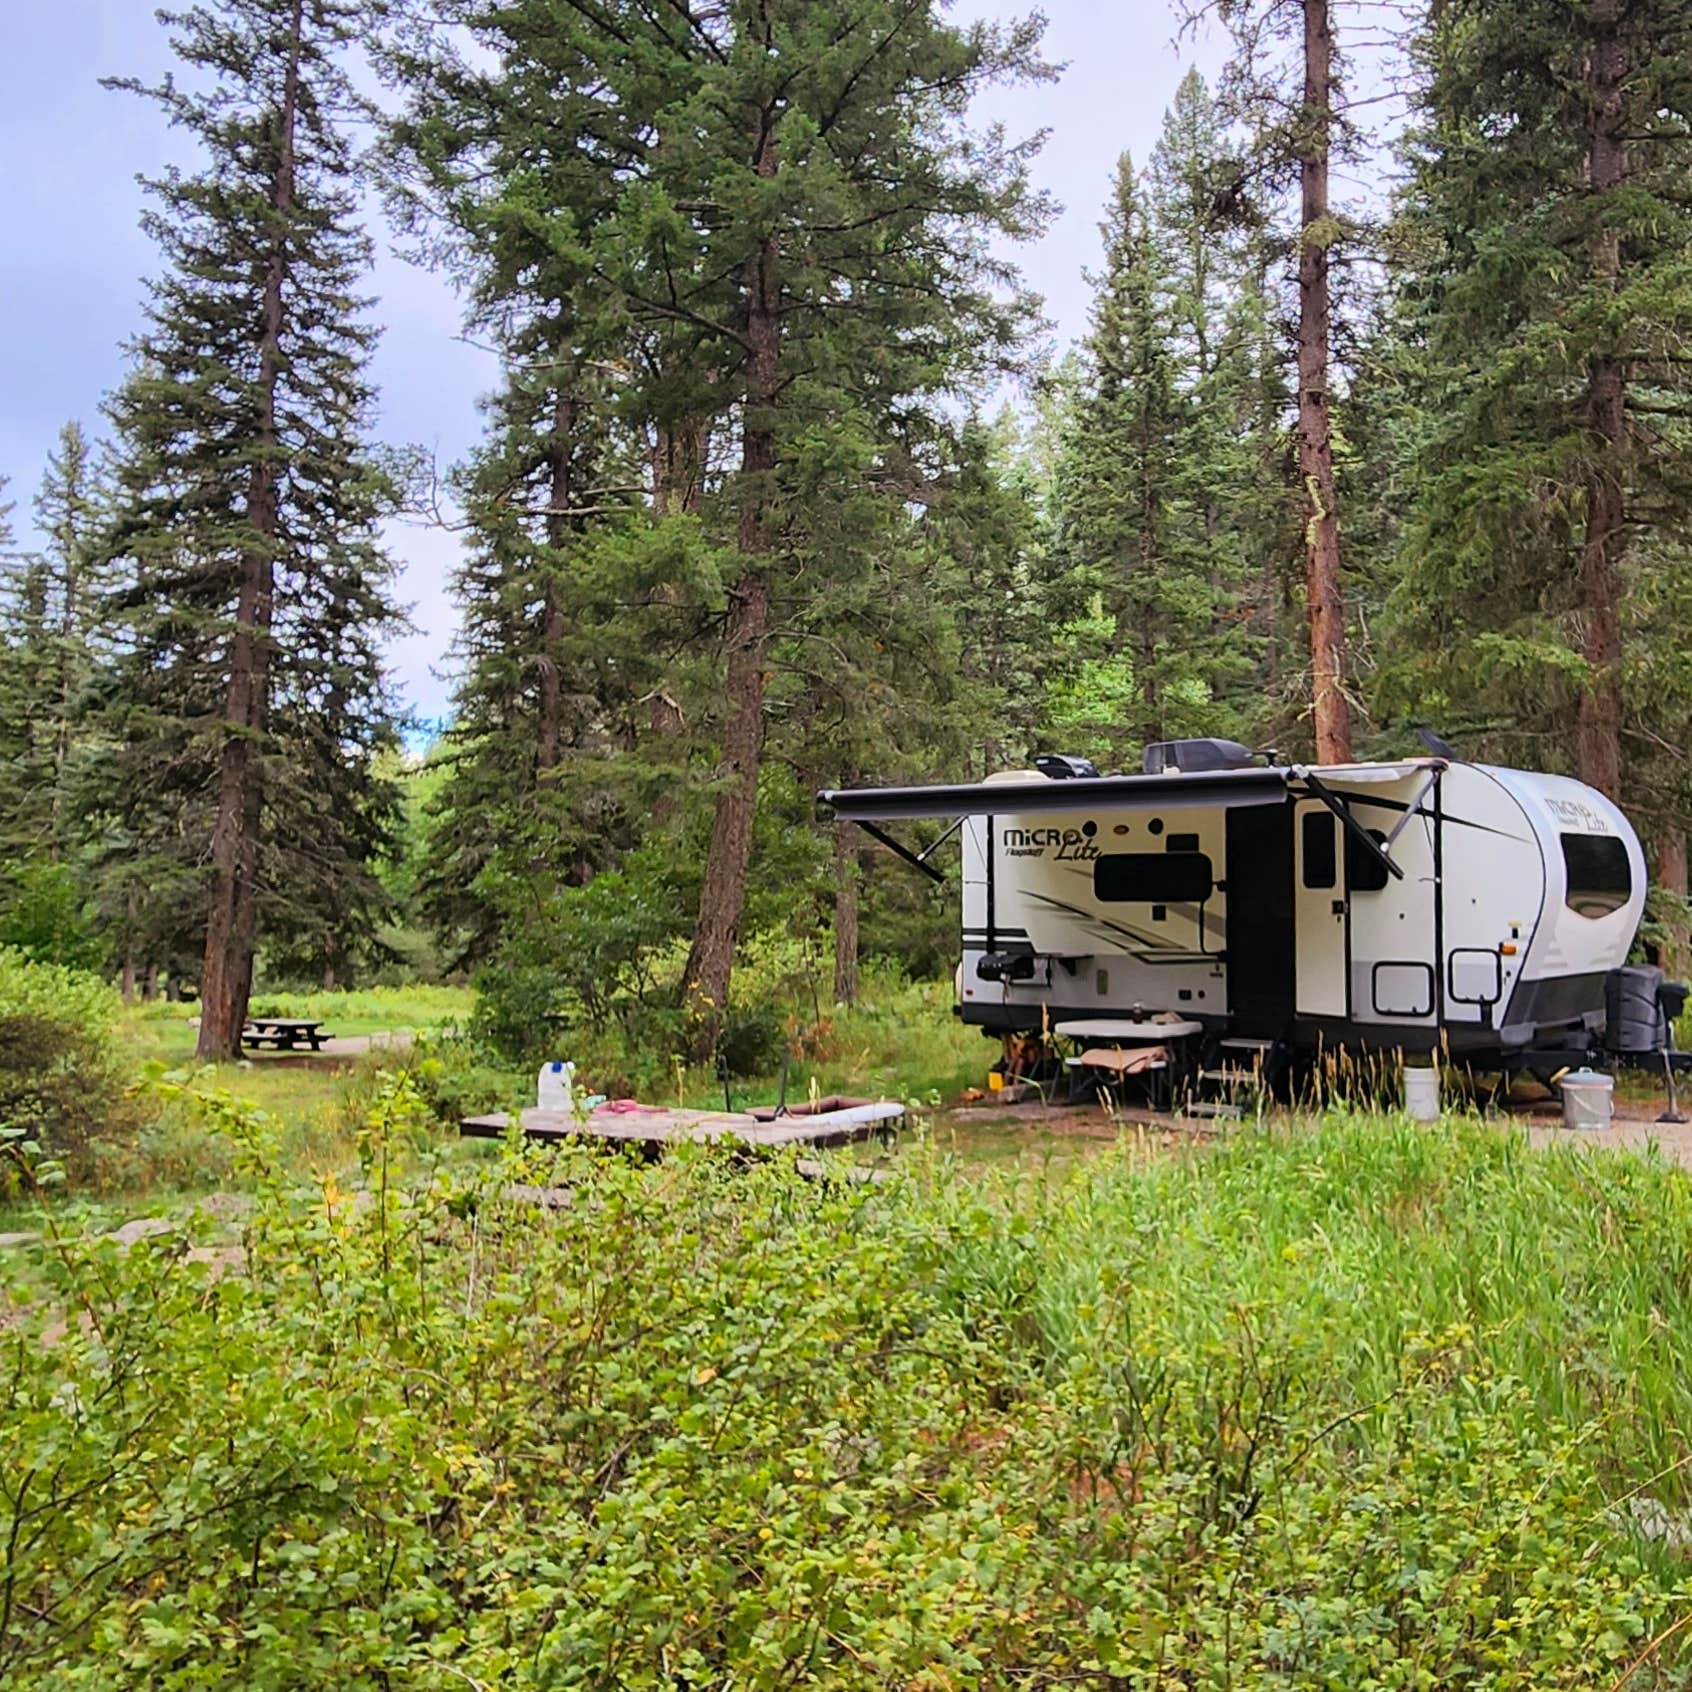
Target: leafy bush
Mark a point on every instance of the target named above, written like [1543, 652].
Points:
[457, 1077]
[61, 1078]
[709, 1425]
[46, 915]
[753, 1038]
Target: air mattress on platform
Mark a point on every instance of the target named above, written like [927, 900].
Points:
[659, 1125]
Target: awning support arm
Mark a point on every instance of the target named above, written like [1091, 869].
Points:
[1415, 805]
[934, 846]
[1320, 790]
[905, 852]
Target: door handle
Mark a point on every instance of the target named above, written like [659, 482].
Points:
[1339, 907]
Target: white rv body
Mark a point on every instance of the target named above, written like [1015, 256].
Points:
[1244, 900]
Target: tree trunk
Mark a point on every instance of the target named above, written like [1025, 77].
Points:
[226, 977]
[1330, 709]
[846, 867]
[678, 489]
[126, 984]
[1671, 877]
[1598, 757]
[678, 469]
[150, 984]
[710, 960]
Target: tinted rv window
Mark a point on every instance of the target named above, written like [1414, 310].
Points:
[1364, 872]
[1321, 862]
[1151, 878]
[1600, 879]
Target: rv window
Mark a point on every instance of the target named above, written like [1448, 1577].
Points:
[1364, 872]
[1600, 879]
[1151, 878]
[1321, 863]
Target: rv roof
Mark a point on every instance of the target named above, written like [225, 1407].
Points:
[1013, 794]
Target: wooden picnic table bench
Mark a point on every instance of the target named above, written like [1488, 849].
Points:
[283, 1033]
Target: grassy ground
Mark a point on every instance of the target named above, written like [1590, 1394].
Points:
[1411, 1373]
[166, 1031]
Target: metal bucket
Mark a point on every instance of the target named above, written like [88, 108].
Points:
[1588, 1099]
[1421, 1094]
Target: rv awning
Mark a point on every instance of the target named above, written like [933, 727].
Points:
[1042, 796]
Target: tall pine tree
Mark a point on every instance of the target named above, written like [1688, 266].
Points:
[1284, 83]
[248, 700]
[1157, 470]
[794, 241]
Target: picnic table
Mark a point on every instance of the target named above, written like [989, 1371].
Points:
[1123, 1047]
[283, 1033]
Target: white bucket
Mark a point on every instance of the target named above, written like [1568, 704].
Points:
[1421, 1094]
[1588, 1098]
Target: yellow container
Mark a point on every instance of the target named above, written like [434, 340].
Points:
[995, 1082]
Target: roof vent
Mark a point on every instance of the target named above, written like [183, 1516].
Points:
[1188, 756]
[1060, 768]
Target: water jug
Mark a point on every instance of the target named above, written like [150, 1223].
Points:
[556, 1088]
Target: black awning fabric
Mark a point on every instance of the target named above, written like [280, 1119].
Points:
[1043, 796]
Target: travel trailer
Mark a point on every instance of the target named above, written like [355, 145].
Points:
[1419, 904]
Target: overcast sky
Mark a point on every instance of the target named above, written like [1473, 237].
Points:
[72, 259]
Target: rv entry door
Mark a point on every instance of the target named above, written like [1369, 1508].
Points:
[1319, 902]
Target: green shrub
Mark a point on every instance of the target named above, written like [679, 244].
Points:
[61, 1077]
[45, 914]
[706, 1425]
[457, 1077]
[753, 1038]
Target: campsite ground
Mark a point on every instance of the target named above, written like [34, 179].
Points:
[901, 1045]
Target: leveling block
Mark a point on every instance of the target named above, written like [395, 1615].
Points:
[829, 1122]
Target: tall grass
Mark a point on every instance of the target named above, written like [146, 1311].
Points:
[1244, 1419]
[1331, 1254]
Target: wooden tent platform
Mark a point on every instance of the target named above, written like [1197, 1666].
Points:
[655, 1126]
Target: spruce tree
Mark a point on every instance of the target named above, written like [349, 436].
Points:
[25, 685]
[1547, 443]
[1156, 467]
[572, 606]
[72, 514]
[247, 702]
[22, 622]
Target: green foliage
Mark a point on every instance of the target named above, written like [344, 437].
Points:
[61, 1076]
[45, 914]
[707, 1422]
[688, 554]
[1530, 286]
